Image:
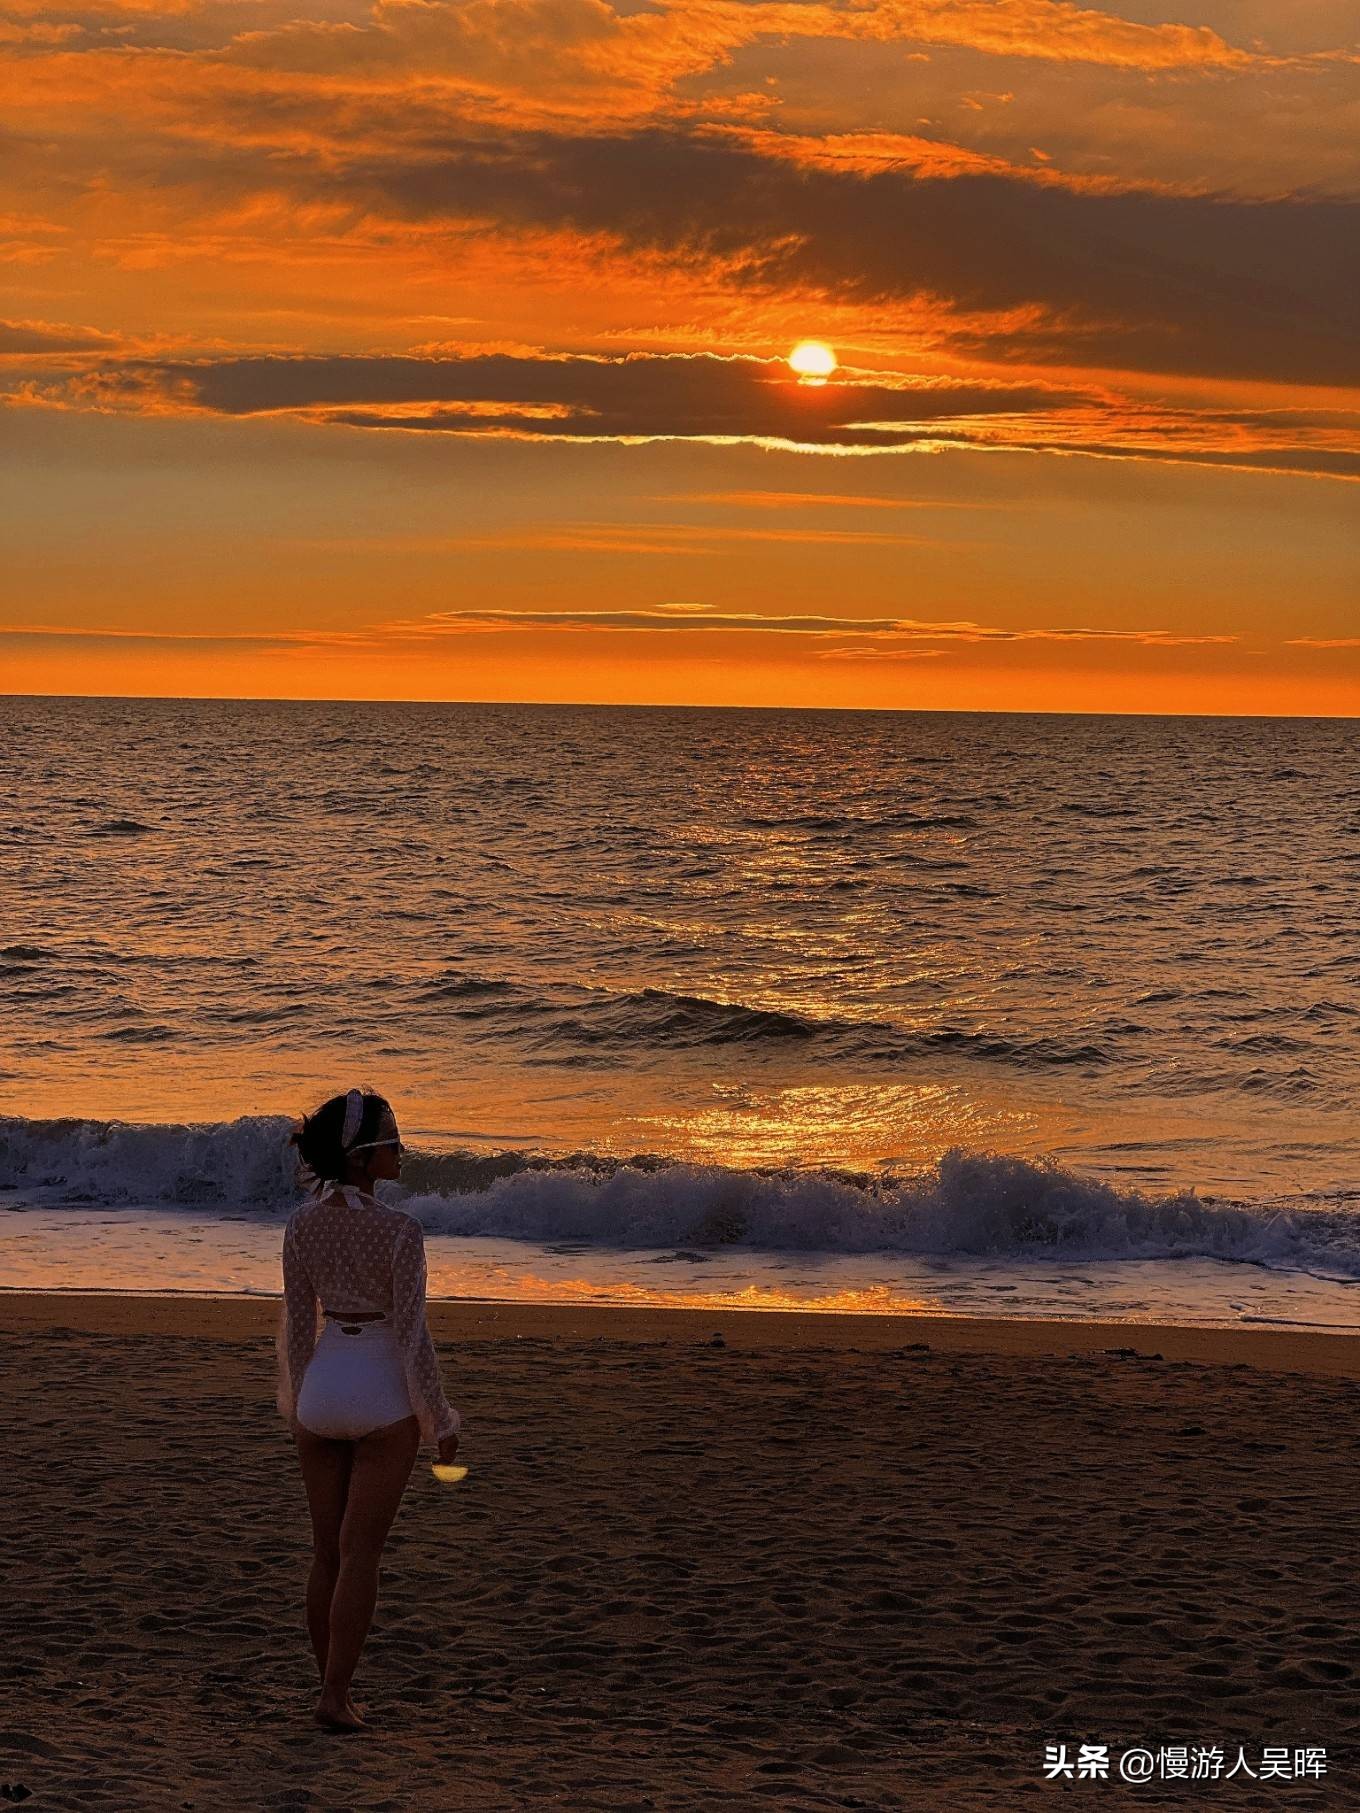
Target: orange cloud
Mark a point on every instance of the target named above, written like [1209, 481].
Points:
[672, 619]
[638, 538]
[1063, 33]
[880, 654]
[51, 340]
[532, 63]
[814, 500]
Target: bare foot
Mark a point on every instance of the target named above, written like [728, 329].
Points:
[337, 1712]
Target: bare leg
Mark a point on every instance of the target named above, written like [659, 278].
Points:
[320, 1588]
[378, 1474]
[325, 1473]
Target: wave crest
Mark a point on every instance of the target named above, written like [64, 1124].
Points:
[613, 1026]
[973, 1203]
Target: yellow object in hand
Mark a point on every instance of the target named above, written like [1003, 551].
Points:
[447, 1472]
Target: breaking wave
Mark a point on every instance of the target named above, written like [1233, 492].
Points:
[971, 1203]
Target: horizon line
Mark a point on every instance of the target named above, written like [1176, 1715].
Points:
[971, 711]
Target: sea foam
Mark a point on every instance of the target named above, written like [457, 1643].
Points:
[969, 1203]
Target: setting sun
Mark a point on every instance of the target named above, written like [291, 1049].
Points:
[812, 359]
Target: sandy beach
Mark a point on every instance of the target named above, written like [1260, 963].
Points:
[822, 1562]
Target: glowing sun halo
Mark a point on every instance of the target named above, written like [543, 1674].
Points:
[813, 361]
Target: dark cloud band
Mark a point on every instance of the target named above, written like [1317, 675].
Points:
[1138, 279]
[648, 396]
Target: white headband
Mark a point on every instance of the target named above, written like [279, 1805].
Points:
[354, 1113]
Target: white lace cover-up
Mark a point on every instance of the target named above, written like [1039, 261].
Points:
[359, 1254]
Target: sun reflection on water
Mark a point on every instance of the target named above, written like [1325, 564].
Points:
[864, 1300]
[869, 1125]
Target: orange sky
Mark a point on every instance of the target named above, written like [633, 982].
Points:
[437, 349]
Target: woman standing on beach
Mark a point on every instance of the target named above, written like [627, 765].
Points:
[361, 1399]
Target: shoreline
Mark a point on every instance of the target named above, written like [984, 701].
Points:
[1321, 1353]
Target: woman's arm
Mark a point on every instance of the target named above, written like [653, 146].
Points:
[297, 1325]
[437, 1416]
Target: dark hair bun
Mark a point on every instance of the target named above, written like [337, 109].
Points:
[318, 1136]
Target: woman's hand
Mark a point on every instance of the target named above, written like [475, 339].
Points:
[448, 1448]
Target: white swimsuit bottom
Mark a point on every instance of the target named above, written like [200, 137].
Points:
[354, 1383]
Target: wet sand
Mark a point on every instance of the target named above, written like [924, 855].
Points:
[849, 1561]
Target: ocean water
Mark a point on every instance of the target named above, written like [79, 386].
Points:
[1023, 1014]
